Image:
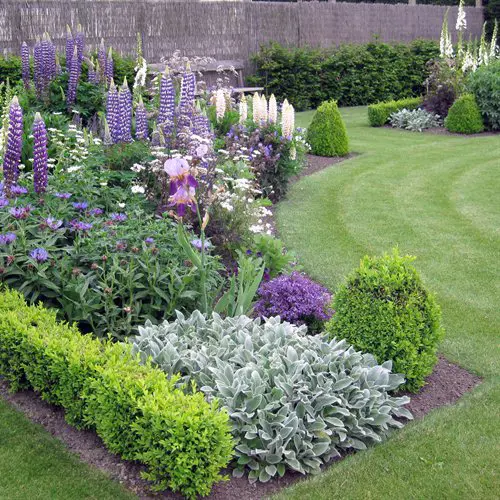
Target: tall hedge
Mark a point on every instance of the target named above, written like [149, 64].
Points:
[353, 75]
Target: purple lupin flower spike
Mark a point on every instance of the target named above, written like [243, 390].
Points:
[52, 59]
[25, 59]
[112, 118]
[80, 46]
[92, 74]
[141, 121]
[109, 67]
[40, 157]
[101, 60]
[45, 51]
[73, 79]
[70, 46]
[125, 107]
[38, 67]
[12, 156]
[167, 98]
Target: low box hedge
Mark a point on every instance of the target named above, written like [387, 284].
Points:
[378, 114]
[137, 411]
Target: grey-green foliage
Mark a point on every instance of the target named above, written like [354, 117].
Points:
[415, 120]
[295, 400]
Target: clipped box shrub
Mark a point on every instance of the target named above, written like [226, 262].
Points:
[484, 83]
[183, 440]
[378, 114]
[464, 117]
[327, 134]
[295, 400]
[384, 309]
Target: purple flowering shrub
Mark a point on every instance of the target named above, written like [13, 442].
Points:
[295, 298]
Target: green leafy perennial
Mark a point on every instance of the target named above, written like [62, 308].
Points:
[295, 400]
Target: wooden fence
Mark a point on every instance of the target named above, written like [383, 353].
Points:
[223, 30]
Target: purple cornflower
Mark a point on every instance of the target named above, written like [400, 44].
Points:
[141, 121]
[112, 113]
[101, 59]
[74, 74]
[7, 238]
[295, 298]
[109, 67]
[18, 190]
[118, 217]
[25, 59]
[12, 154]
[70, 47]
[52, 223]
[20, 212]
[63, 196]
[121, 245]
[149, 241]
[4, 202]
[125, 112]
[80, 205]
[77, 225]
[39, 254]
[40, 156]
[96, 211]
[198, 244]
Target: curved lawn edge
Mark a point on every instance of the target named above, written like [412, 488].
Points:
[398, 193]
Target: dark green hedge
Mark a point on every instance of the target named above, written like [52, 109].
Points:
[353, 75]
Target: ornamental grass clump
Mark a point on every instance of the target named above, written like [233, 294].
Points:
[295, 298]
[327, 134]
[464, 116]
[295, 400]
[384, 309]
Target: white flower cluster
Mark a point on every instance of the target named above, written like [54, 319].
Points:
[287, 119]
[461, 24]
[141, 73]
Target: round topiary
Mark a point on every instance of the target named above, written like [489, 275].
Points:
[327, 135]
[385, 310]
[464, 116]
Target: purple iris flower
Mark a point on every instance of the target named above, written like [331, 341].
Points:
[4, 202]
[17, 190]
[80, 205]
[53, 223]
[7, 238]
[20, 212]
[39, 254]
[118, 217]
[198, 244]
[63, 196]
[96, 211]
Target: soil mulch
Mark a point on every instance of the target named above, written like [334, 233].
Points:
[447, 383]
[317, 163]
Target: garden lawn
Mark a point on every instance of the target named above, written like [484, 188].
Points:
[436, 197]
[34, 465]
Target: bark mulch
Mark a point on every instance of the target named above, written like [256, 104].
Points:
[447, 383]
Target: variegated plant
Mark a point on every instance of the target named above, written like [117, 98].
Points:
[295, 400]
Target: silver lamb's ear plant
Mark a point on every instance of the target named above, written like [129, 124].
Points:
[295, 400]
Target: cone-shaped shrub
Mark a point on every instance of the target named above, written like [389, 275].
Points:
[464, 116]
[327, 134]
[384, 309]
